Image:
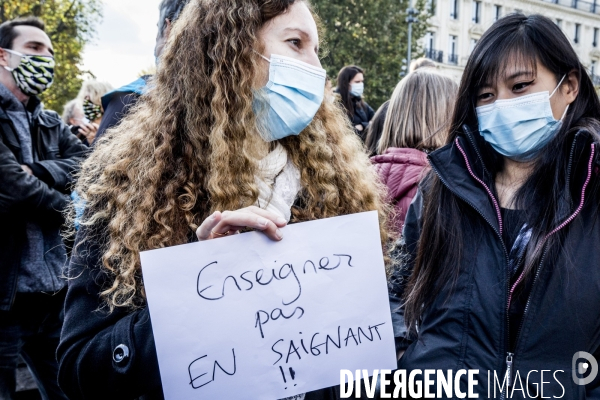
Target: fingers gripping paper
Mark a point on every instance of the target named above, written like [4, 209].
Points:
[244, 317]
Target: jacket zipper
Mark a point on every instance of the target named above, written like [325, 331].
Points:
[537, 273]
[509, 358]
[510, 355]
[562, 225]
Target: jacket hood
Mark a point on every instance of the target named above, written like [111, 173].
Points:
[400, 169]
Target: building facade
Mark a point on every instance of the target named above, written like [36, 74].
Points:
[456, 26]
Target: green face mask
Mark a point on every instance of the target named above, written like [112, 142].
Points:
[90, 110]
[34, 74]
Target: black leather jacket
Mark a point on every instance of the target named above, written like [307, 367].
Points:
[41, 197]
[468, 328]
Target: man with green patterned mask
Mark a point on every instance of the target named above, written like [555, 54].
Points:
[30, 61]
[38, 158]
[34, 74]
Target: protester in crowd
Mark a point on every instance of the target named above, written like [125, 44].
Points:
[218, 131]
[502, 240]
[421, 62]
[90, 95]
[38, 154]
[375, 129]
[80, 126]
[117, 103]
[410, 132]
[350, 87]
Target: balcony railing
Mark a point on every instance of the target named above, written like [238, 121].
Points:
[435, 55]
[592, 6]
[453, 59]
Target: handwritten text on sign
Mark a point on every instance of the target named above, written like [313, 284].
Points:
[247, 318]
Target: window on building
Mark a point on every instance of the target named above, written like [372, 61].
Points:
[559, 23]
[429, 36]
[593, 68]
[595, 42]
[497, 12]
[476, 17]
[431, 6]
[577, 31]
[472, 44]
[452, 47]
[454, 9]
[430, 51]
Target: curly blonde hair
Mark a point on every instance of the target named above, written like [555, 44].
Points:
[191, 146]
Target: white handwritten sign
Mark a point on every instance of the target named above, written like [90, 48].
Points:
[244, 317]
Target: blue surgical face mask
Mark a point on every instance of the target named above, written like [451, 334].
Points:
[519, 128]
[357, 89]
[291, 98]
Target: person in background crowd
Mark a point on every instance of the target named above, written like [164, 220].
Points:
[242, 158]
[80, 126]
[421, 62]
[376, 129]
[501, 245]
[90, 95]
[417, 123]
[118, 102]
[350, 87]
[38, 155]
[376, 126]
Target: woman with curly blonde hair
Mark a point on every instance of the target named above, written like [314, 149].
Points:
[227, 139]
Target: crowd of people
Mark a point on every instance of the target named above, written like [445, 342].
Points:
[487, 192]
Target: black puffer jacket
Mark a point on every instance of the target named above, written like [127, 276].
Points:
[40, 198]
[468, 329]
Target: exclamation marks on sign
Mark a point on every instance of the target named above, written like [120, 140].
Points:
[292, 375]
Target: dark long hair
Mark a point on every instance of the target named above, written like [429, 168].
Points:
[344, 77]
[521, 40]
[376, 128]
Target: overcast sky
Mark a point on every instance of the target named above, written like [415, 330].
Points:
[124, 44]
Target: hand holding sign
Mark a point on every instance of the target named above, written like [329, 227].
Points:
[222, 224]
[246, 317]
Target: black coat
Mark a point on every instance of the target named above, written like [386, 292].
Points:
[40, 198]
[118, 103]
[363, 114]
[90, 337]
[468, 328]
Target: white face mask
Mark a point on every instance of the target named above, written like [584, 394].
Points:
[519, 128]
[357, 89]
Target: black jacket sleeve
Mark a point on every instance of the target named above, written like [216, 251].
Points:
[370, 112]
[404, 257]
[115, 111]
[91, 334]
[72, 152]
[21, 192]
